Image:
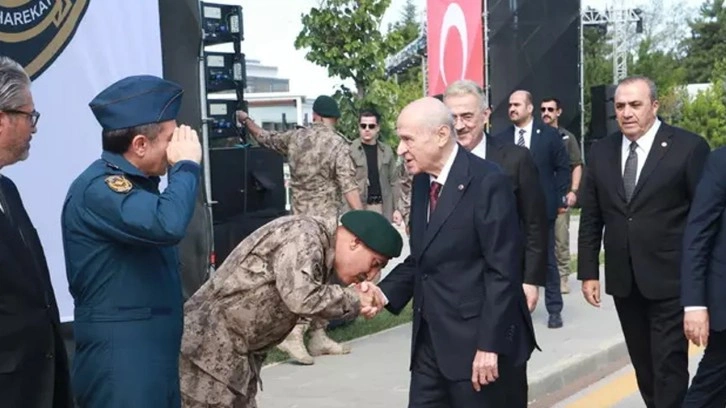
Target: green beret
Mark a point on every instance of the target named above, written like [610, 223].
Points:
[375, 231]
[326, 107]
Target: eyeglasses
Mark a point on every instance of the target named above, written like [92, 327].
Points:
[368, 126]
[33, 116]
[547, 109]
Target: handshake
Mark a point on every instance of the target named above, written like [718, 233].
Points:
[372, 299]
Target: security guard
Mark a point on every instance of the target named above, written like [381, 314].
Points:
[321, 170]
[119, 237]
[252, 302]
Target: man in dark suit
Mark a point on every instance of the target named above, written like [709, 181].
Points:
[468, 104]
[703, 279]
[33, 360]
[553, 164]
[471, 324]
[639, 186]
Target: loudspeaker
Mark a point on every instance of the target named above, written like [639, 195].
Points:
[246, 180]
[602, 121]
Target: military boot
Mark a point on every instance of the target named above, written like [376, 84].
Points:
[294, 346]
[321, 344]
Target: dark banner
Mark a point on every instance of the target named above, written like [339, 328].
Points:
[534, 46]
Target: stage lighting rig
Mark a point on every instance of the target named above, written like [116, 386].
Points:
[222, 23]
[224, 71]
[222, 117]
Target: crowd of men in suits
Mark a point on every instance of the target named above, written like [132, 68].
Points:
[481, 245]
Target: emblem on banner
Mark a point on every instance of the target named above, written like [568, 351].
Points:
[35, 32]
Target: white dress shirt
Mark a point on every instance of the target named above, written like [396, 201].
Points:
[644, 145]
[480, 150]
[527, 134]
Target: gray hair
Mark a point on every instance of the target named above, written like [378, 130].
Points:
[465, 87]
[653, 90]
[14, 82]
[441, 116]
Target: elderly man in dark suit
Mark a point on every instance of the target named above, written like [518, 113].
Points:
[471, 324]
[33, 360]
[553, 164]
[638, 187]
[703, 280]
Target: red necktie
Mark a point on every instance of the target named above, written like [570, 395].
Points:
[434, 190]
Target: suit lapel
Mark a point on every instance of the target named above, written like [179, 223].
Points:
[657, 151]
[419, 210]
[534, 139]
[616, 166]
[455, 186]
[495, 152]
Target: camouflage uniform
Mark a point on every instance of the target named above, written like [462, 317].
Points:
[404, 195]
[251, 303]
[321, 169]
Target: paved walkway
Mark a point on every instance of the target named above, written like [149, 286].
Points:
[376, 373]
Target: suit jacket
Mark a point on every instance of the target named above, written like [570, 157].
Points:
[703, 270]
[32, 353]
[643, 238]
[518, 164]
[464, 271]
[552, 161]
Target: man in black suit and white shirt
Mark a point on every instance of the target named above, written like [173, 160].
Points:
[468, 104]
[471, 325]
[33, 362]
[553, 165]
[638, 187]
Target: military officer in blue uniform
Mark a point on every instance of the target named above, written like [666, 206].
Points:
[120, 235]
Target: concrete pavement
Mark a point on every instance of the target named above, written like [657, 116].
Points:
[376, 373]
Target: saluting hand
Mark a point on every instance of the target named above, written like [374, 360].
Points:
[184, 145]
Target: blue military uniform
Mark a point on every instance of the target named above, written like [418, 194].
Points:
[120, 235]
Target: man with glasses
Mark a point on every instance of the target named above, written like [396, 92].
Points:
[551, 110]
[375, 167]
[33, 366]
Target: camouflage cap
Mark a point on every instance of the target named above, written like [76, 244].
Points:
[375, 231]
[326, 107]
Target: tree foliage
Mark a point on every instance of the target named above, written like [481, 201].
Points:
[706, 113]
[707, 43]
[345, 36]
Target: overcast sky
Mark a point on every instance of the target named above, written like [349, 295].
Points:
[271, 27]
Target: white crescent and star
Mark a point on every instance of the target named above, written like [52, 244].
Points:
[453, 18]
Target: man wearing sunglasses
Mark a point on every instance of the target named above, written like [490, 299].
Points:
[375, 167]
[551, 110]
[33, 366]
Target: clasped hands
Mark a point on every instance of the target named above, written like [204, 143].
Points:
[371, 298]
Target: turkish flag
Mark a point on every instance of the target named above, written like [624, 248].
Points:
[455, 48]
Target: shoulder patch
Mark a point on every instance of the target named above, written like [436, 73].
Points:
[119, 184]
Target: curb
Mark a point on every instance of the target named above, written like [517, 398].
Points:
[558, 376]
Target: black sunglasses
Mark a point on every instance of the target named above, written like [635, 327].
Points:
[34, 115]
[547, 109]
[368, 125]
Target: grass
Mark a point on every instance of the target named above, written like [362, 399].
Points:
[359, 328]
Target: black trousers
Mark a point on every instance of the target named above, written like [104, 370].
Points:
[658, 348]
[708, 388]
[430, 389]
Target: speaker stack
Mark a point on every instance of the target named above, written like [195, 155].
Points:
[602, 122]
[246, 183]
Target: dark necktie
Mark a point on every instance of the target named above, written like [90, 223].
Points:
[520, 141]
[434, 191]
[631, 171]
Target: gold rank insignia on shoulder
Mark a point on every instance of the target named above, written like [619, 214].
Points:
[119, 184]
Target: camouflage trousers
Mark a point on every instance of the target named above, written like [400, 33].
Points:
[201, 390]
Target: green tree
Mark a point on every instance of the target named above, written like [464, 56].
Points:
[345, 37]
[706, 113]
[707, 43]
